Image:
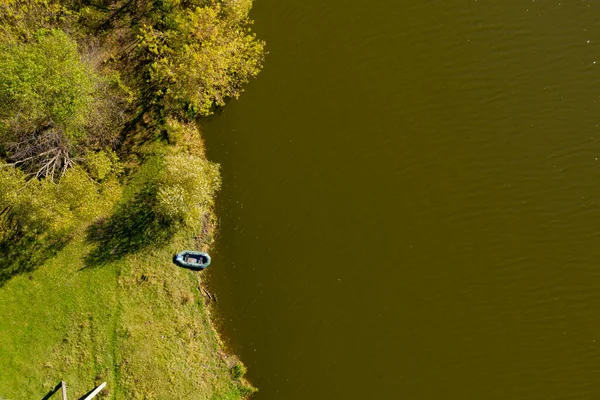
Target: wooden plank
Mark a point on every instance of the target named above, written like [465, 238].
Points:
[63, 385]
[96, 391]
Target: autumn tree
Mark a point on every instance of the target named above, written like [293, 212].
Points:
[195, 57]
[176, 188]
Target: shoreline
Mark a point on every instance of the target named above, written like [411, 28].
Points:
[111, 323]
[102, 182]
[211, 300]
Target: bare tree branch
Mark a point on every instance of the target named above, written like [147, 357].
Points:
[44, 153]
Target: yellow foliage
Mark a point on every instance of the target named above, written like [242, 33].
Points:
[204, 57]
[185, 137]
[237, 10]
[102, 164]
[187, 187]
[20, 19]
[44, 208]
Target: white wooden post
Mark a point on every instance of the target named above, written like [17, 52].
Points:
[96, 391]
[63, 385]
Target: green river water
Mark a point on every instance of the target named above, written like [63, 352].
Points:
[411, 201]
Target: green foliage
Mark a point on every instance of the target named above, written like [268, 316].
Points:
[197, 58]
[238, 370]
[102, 165]
[42, 83]
[177, 188]
[31, 208]
[187, 187]
[20, 19]
[85, 198]
[237, 10]
[151, 68]
[49, 99]
[48, 209]
[39, 214]
[167, 194]
[185, 137]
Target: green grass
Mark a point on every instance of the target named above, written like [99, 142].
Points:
[139, 323]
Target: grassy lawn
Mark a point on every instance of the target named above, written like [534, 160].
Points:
[139, 323]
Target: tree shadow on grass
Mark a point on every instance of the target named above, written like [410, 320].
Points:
[23, 253]
[132, 228]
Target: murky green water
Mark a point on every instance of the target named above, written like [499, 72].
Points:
[410, 207]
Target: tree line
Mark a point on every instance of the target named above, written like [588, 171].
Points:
[101, 101]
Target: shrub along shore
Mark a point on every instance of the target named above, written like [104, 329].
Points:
[103, 177]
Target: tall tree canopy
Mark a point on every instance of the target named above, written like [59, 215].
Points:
[47, 93]
[200, 57]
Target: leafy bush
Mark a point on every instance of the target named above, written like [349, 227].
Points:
[44, 82]
[46, 92]
[238, 370]
[176, 188]
[185, 137]
[51, 210]
[187, 187]
[20, 19]
[198, 57]
[39, 215]
[102, 165]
